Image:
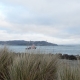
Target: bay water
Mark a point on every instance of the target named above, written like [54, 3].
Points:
[64, 49]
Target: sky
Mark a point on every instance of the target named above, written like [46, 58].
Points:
[55, 21]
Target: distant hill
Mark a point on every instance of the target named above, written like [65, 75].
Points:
[22, 42]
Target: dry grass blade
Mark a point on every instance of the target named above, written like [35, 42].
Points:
[69, 72]
[34, 67]
[6, 59]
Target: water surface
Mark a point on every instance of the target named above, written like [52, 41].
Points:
[64, 49]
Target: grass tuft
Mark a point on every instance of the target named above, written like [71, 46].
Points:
[25, 66]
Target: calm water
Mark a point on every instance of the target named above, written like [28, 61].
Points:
[66, 49]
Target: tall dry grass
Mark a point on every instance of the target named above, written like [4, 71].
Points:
[69, 72]
[24, 66]
[6, 60]
[34, 67]
[27, 66]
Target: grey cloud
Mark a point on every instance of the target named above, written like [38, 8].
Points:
[60, 18]
[45, 12]
[21, 15]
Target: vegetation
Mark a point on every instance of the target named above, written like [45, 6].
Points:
[69, 72]
[28, 43]
[38, 66]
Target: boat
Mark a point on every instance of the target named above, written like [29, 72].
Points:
[32, 47]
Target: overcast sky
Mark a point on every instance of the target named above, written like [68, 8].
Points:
[56, 21]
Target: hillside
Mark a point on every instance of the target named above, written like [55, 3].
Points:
[22, 42]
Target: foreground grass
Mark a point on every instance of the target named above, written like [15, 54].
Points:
[27, 66]
[68, 72]
[35, 67]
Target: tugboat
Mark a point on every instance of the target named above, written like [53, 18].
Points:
[32, 47]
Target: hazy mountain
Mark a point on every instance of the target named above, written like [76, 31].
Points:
[22, 42]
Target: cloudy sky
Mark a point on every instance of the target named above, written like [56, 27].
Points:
[56, 21]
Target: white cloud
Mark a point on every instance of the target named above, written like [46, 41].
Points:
[48, 7]
[36, 37]
[55, 21]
